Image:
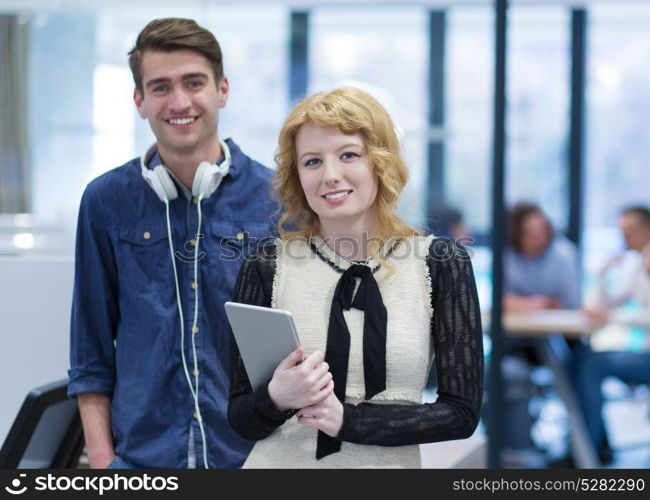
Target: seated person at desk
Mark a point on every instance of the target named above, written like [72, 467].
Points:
[592, 368]
[541, 268]
[540, 272]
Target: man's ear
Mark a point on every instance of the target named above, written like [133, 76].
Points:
[138, 99]
[223, 89]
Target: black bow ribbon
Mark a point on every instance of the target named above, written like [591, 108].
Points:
[367, 299]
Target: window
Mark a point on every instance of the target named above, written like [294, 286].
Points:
[538, 109]
[617, 131]
[384, 51]
[470, 89]
[82, 120]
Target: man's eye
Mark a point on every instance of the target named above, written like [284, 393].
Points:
[194, 84]
[159, 89]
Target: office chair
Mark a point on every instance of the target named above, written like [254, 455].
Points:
[46, 433]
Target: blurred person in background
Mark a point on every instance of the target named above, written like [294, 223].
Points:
[541, 271]
[447, 222]
[541, 267]
[634, 223]
[591, 368]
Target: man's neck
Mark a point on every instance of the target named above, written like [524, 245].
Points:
[184, 165]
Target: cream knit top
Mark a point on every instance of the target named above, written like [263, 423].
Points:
[304, 285]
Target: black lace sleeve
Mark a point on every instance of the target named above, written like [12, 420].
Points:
[457, 336]
[252, 413]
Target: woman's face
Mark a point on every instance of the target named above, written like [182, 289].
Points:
[337, 177]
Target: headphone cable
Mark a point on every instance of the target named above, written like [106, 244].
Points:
[182, 322]
[194, 329]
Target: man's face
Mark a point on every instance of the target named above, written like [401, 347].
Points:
[535, 235]
[181, 100]
[635, 233]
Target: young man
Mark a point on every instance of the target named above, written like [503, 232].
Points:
[634, 223]
[159, 245]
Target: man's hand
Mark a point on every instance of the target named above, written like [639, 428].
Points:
[610, 264]
[95, 410]
[297, 383]
[597, 317]
[100, 460]
[326, 416]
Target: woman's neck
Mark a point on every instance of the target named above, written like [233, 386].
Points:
[350, 240]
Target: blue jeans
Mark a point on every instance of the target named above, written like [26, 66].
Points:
[588, 372]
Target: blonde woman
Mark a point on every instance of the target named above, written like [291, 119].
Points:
[373, 301]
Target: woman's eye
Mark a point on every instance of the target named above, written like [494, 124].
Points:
[349, 155]
[311, 162]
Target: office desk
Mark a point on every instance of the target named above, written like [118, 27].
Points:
[548, 330]
[568, 322]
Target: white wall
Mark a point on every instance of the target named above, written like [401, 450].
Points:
[35, 301]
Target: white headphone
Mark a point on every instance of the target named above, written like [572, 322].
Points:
[207, 177]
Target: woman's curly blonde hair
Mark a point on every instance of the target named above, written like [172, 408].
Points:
[352, 111]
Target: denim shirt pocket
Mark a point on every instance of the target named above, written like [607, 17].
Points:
[146, 258]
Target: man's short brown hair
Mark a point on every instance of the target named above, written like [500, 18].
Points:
[171, 34]
[641, 212]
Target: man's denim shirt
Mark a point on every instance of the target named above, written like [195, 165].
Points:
[125, 329]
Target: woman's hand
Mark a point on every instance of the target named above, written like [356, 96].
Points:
[298, 383]
[326, 416]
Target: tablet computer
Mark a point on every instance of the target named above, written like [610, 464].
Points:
[264, 336]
